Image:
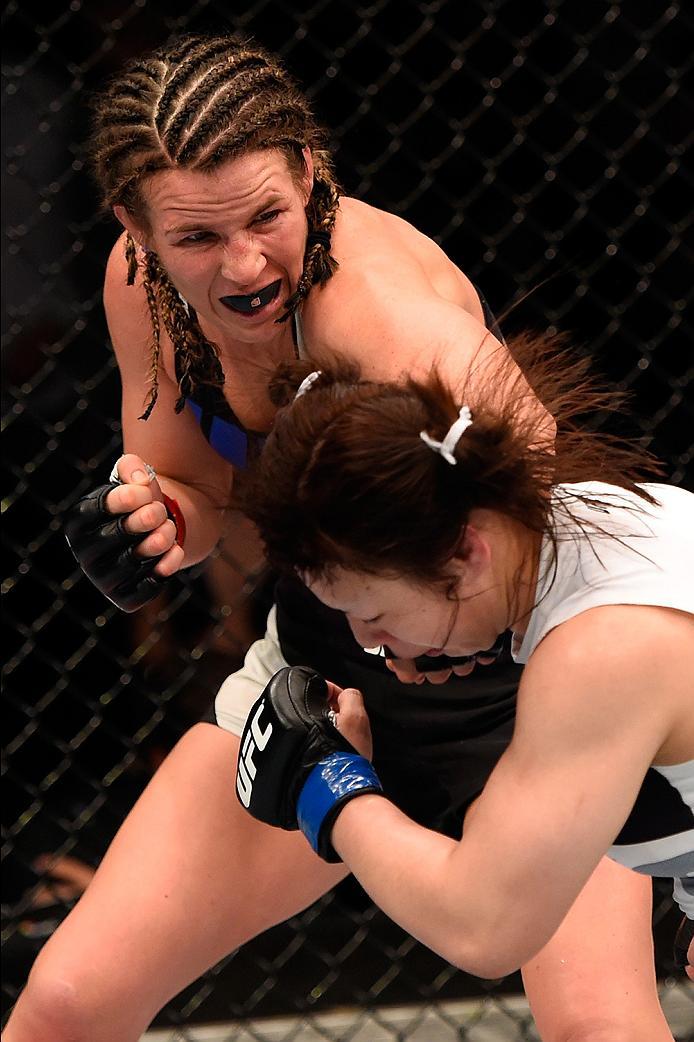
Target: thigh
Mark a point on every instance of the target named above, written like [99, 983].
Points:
[189, 877]
[595, 979]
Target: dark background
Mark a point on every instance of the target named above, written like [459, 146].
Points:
[542, 144]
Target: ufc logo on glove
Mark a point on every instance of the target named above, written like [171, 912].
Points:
[307, 771]
[254, 739]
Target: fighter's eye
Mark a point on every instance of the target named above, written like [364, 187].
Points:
[267, 217]
[195, 237]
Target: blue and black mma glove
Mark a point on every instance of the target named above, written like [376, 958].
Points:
[295, 769]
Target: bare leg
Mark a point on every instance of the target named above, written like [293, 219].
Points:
[189, 877]
[595, 980]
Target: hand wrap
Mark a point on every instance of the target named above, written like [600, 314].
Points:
[295, 769]
[104, 552]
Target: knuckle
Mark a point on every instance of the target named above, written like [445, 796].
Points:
[127, 499]
[156, 515]
[112, 501]
[158, 542]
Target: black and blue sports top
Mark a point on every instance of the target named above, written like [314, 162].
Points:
[221, 427]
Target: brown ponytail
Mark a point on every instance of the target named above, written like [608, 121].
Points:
[345, 478]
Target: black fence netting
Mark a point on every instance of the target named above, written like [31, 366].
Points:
[543, 145]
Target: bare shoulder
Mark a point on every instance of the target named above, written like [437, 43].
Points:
[130, 329]
[611, 672]
[366, 236]
[384, 308]
[397, 305]
[126, 309]
[387, 325]
[621, 635]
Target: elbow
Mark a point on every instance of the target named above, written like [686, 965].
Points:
[489, 963]
[489, 953]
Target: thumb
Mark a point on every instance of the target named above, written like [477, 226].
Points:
[132, 470]
[353, 722]
[333, 694]
[350, 700]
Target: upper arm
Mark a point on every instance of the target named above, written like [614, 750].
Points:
[394, 329]
[172, 442]
[587, 729]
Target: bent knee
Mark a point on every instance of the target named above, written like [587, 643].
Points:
[607, 1029]
[62, 1004]
[47, 1010]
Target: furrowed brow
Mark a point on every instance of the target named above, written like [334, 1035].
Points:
[208, 223]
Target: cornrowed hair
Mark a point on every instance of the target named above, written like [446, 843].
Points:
[149, 281]
[131, 258]
[194, 104]
[196, 359]
[319, 264]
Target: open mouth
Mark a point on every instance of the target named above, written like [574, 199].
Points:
[250, 302]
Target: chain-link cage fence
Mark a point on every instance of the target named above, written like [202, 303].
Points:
[542, 144]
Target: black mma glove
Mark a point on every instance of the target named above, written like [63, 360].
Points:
[104, 552]
[295, 769]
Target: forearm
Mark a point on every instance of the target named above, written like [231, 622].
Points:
[493, 900]
[487, 903]
[414, 878]
[205, 521]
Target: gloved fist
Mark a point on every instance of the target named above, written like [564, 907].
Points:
[120, 534]
[295, 769]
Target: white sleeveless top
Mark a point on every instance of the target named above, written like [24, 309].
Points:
[650, 562]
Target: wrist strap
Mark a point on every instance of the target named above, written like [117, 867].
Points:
[338, 778]
[176, 515]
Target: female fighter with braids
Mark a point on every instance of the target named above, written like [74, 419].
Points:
[427, 514]
[238, 253]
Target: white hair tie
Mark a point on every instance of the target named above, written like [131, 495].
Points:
[306, 383]
[446, 447]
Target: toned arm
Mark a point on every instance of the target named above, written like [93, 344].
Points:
[188, 469]
[397, 326]
[589, 724]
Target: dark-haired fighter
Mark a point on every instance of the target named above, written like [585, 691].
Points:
[452, 524]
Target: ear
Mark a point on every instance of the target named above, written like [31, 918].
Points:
[308, 174]
[130, 225]
[473, 554]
